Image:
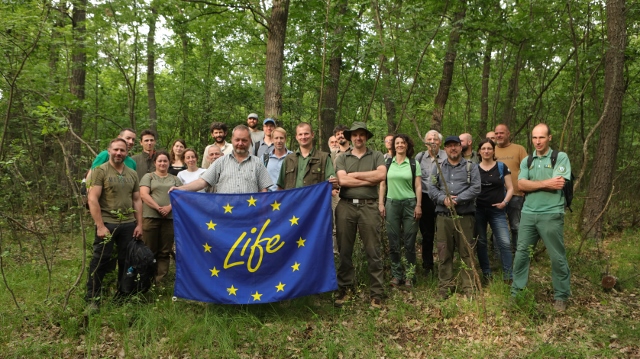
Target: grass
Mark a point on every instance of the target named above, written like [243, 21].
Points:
[412, 324]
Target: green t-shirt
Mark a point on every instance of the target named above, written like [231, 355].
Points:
[103, 157]
[159, 191]
[400, 180]
[544, 201]
[117, 192]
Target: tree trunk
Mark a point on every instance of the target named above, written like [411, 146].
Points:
[78, 75]
[447, 69]
[604, 164]
[509, 114]
[484, 95]
[275, 58]
[151, 74]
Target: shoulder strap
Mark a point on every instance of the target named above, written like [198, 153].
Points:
[469, 172]
[387, 163]
[419, 157]
[412, 163]
[554, 158]
[256, 147]
[530, 160]
[265, 158]
[501, 169]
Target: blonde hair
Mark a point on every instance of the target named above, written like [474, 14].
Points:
[281, 130]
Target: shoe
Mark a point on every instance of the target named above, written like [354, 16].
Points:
[559, 305]
[486, 279]
[376, 303]
[408, 284]
[395, 282]
[428, 272]
[343, 297]
[508, 282]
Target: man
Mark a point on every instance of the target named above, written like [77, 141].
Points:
[213, 153]
[427, 161]
[463, 184]
[266, 143]
[252, 123]
[116, 209]
[146, 161]
[274, 159]
[388, 144]
[129, 136]
[491, 135]
[219, 134]
[338, 131]
[543, 216]
[467, 150]
[359, 170]
[333, 144]
[237, 172]
[511, 154]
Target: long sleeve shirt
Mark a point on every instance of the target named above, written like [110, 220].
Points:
[463, 184]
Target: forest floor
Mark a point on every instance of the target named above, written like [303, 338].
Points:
[411, 324]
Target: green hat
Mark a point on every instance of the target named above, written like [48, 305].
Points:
[357, 126]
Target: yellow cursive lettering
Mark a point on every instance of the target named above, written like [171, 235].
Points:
[233, 248]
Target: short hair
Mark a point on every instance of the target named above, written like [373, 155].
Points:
[148, 132]
[218, 126]
[184, 154]
[340, 128]
[119, 139]
[489, 141]
[431, 132]
[281, 130]
[545, 125]
[302, 124]
[240, 128]
[125, 130]
[407, 140]
[172, 155]
[162, 153]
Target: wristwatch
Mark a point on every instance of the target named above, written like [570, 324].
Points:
[506, 203]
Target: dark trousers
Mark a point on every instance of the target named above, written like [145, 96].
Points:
[104, 259]
[428, 230]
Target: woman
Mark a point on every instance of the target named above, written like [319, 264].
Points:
[490, 209]
[402, 210]
[157, 222]
[192, 172]
[177, 157]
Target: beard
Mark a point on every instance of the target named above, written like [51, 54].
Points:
[464, 148]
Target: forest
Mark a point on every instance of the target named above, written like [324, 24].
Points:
[74, 73]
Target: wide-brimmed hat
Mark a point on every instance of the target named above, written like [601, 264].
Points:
[357, 126]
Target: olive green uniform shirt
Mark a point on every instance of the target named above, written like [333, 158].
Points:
[370, 161]
[117, 192]
[545, 201]
[159, 191]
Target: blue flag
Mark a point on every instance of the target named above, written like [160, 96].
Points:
[253, 248]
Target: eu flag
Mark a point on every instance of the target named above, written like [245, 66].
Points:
[253, 248]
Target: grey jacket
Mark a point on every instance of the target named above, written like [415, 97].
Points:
[462, 183]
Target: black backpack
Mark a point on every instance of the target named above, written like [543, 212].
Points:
[140, 268]
[567, 190]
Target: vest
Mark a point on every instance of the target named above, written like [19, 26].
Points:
[315, 172]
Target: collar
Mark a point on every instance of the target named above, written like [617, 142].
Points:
[535, 153]
[311, 153]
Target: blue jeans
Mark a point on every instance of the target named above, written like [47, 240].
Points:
[498, 221]
[513, 213]
[402, 228]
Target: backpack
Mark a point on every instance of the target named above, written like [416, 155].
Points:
[567, 190]
[412, 163]
[140, 268]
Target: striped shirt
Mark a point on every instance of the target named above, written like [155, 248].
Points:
[227, 175]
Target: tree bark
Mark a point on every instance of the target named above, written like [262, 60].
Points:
[604, 164]
[78, 76]
[275, 58]
[151, 74]
[509, 114]
[447, 69]
[484, 94]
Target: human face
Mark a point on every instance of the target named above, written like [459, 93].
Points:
[340, 137]
[359, 138]
[388, 142]
[333, 143]
[117, 152]
[279, 140]
[130, 138]
[465, 141]
[178, 148]
[268, 129]
[213, 154]
[401, 146]
[540, 138]
[148, 143]
[487, 152]
[252, 123]
[241, 141]
[191, 159]
[432, 141]
[304, 136]
[219, 136]
[162, 164]
[453, 149]
[491, 136]
[502, 135]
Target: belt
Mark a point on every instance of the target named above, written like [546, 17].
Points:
[445, 214]
[359, 201]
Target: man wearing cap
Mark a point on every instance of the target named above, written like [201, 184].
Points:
[252, 123]
[265, 145]
[463, 183]
[359, 171]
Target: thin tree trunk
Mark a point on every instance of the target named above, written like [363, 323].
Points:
[484, 93]
[275, 58]
[151, 74]
[604, 164]
[447, 69]
[509, 114]
[78, 76]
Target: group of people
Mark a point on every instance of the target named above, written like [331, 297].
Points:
[450, 195]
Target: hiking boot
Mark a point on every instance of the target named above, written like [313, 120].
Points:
[395, 282]
[559, 305]
[342, 297]
[486, 279]
[408, 284]
[376, 303]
